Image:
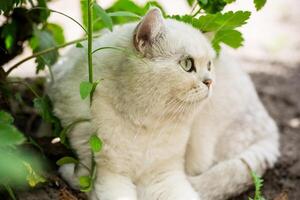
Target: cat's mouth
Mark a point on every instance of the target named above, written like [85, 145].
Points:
[194, 96]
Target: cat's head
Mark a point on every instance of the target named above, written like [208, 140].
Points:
[173, 72]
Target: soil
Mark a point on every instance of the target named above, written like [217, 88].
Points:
[280, 93]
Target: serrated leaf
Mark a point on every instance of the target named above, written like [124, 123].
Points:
[85, 89]
[32, 177]
[79, 45]
[259, 4]
[67, 160]
[6, 118]
[100, 13]
[85, 183]
[216, 22]
[232, 38]
[95, 143]
[10, 136]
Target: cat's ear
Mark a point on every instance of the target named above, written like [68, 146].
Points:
[148, 30]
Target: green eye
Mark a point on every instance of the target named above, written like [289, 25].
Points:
[188, 64]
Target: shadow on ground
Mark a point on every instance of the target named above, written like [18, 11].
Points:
[281, 96]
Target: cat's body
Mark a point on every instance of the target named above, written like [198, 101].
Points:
[146, 110]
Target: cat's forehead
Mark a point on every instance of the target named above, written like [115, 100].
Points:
[184, 39]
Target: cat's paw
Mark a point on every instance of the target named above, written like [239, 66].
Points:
[67, 172]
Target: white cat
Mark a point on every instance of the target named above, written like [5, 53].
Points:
[161, 115]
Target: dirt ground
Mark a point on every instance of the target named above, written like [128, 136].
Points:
[278, 85]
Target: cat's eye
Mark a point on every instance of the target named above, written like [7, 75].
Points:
[209, 65]
[188, 64]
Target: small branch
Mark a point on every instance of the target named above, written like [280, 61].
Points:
[42, 53]
[54, 11]
[90, 45]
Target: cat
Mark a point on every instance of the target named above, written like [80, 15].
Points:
[177, 122]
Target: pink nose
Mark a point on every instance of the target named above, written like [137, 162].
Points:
[207, 82]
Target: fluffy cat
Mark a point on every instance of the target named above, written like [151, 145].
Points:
[170, 130]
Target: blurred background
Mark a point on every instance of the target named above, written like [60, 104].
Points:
[271, 34]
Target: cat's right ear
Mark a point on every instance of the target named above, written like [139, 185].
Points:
[148, 30]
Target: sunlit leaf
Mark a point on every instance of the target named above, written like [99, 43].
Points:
[85, 183]
[85, 89]
[32, 177]
[232, 38]
[123, 14]
[95, 143]
[259, 4]
[100, 13]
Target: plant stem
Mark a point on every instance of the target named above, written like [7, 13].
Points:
[90, 36]
[90, 45]
[42, 53]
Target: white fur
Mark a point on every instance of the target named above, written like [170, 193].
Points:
[146, 110]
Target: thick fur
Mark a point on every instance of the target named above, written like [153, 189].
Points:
[166, 135]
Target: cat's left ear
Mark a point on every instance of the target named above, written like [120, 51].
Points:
[149, 30]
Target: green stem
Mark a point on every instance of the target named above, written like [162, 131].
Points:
[90, 45]
[55, 11]
[42, 53]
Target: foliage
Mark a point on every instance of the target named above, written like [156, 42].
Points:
[258, 183]
[222, 25]
[17, 165]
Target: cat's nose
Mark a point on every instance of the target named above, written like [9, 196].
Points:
[207, 82]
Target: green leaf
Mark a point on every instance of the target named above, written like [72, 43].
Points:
[229, 1]
[95, 143]
[10, 136]
[259, 4]
[85, 89]
[204, 2]
[32, 177]
[123, 14]
[219, 21]
[67, 160]
[191, 2]
[42, 104]
[57, 32]
[6, 118]
[41, 40]
[79, 45]
[212, 6]
[100, 13]
[232, 38]
[85, 183]
[216, 22]
[258, 183]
